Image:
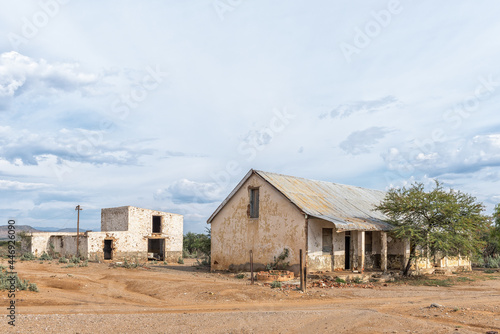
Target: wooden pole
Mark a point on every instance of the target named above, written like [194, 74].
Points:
[78, 231]
[301, 271]
[251, 267]
[305, 276]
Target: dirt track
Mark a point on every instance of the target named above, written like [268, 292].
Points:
[182, 299]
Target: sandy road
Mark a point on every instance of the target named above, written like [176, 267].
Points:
[182, 299]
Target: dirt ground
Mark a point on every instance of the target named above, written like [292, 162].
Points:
[182, 299]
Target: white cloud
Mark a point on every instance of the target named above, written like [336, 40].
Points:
[18, 71]
[363, 141]
[187, 191]
[79, 145]
[16, 185]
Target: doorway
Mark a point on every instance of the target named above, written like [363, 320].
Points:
[347, 264]
[156, 249]
[108, 249]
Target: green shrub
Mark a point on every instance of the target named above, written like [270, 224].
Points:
[63, 260]
[19, 284]
[279, 262]
[240, 276]
[489, 271]
[339, 280]
[275, 284]
[70, 265]
[75, 260]
[180, 260]
[45, 257]
[27, 257]
[130, 265]
[492, 261]
[357, 280]
[84, 263]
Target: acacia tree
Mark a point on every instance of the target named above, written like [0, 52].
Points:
[492, 236]
[449, 222]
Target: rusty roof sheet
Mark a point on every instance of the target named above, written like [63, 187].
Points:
[347, 207]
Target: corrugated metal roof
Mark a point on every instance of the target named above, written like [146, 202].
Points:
[347, 207]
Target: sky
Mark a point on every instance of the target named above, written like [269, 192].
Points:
[166, 105]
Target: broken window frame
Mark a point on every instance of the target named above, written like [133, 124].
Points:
[327, 249]
[254, 203]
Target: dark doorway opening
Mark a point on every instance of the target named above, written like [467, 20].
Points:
[156, 249]
[156, 224]
[108, 249]
[347, 264]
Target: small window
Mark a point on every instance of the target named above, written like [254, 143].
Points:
[156, 224]
[327, 240]
[254, 203]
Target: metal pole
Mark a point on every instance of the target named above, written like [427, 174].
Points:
[251, 267]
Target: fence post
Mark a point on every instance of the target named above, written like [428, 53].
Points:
[301, 271]
[251, 267]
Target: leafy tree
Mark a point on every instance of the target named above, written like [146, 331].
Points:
[492, 236]
[438, 221]
[197, 242]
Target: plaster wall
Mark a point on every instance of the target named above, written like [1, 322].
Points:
[64, 243]
[279, 225]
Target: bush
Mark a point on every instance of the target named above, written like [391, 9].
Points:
[84, 263]
[339, 280]
[75, 260]
[279, 262]
[492, 261]
[180, 260]
[63, 260]
[45, 257]
[357, 280]
[130, 265]
[240, 276]
[275, 284]
[196, 244]
[27, 257]
[5, 282]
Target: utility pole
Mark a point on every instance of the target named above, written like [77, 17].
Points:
[78, 208]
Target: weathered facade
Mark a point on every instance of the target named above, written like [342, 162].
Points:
[335, 225]
[126, 233]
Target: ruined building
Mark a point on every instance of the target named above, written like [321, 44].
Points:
[127, 232]
[335, 225]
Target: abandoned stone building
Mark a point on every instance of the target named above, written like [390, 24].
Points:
[127, 232]
[335, 225]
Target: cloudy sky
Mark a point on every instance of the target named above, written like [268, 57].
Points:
[167, 104]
